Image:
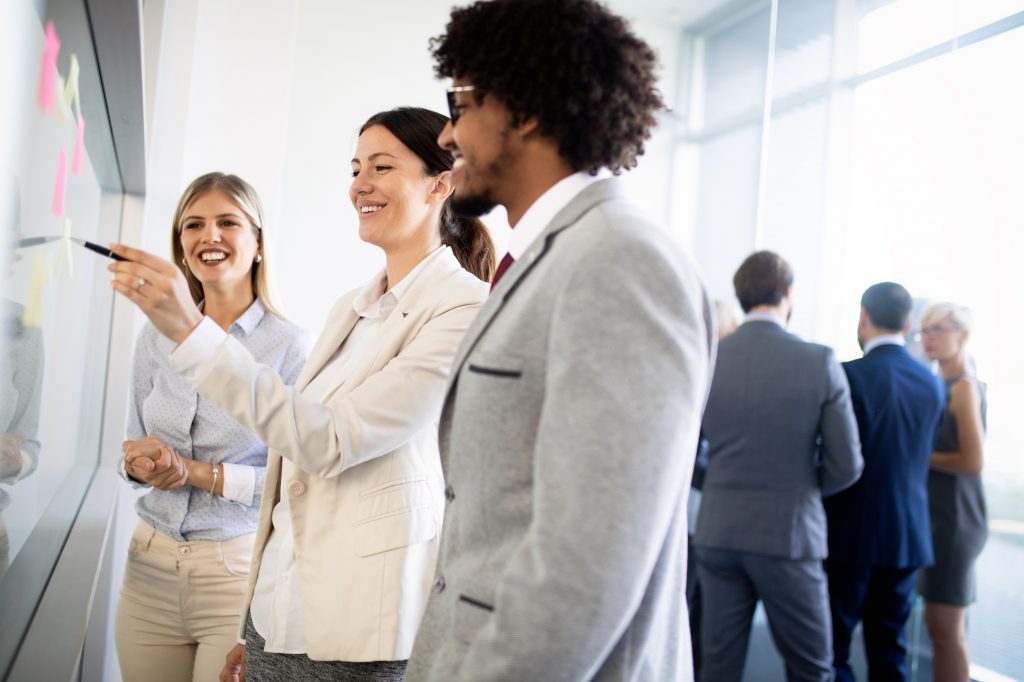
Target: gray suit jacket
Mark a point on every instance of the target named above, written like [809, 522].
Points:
[567, 438]
[782, 433]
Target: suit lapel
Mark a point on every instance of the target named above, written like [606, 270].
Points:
[425, 282]
[337, 329]
[593, 195]
[344, 318]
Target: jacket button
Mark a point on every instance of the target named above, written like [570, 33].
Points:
[449, 493]
[296, 488]
[439, 584]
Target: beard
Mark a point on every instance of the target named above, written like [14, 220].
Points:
[482, 202]
[472, 205]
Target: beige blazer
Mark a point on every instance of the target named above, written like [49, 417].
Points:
[368, 501]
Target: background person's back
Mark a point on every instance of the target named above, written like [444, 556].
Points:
[771, 396]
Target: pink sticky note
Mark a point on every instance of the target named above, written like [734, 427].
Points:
[58, 186]
[47, 77]
[76, 160]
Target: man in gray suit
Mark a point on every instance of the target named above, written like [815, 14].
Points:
[782, 434]
[568, 432]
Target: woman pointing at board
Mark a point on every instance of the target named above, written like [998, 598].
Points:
[348, 537]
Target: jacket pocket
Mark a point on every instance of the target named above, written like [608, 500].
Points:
[471, 615]
[393, 496]
[499, 366]
[394, 531]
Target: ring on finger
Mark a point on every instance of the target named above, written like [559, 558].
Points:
[140, 284]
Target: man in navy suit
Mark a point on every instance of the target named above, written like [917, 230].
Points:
[878, 529]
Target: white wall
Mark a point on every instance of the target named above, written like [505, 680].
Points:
[276, 91]
[345, 69]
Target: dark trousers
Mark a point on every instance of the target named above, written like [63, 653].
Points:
[261, 666]
[880, 597]
[795, 598]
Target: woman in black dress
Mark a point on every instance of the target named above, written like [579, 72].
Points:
[955, 496]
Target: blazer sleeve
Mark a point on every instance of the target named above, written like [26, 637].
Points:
[841, 459]
[291, 366]
[384, 412]
[612, 462]
[247, 489]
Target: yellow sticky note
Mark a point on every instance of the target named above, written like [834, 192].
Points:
[47, 270]
[63, 110]
[71, 88]
[64, 251]
[33, 315]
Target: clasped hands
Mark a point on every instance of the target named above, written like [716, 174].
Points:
[150, 460]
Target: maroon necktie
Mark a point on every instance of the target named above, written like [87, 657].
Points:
[502, 267]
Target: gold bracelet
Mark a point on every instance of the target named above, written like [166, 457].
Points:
[216, 473]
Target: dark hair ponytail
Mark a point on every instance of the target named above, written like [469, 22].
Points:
[418, 129]
[470, 242]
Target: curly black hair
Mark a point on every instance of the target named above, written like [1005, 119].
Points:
[575, 66]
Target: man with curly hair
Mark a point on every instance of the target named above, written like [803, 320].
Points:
[573, 410]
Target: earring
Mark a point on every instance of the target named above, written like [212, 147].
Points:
[184, 263]
[259, 258]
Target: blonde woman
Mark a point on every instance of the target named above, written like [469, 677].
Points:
[348, 539]
[956, 499]
[188, 562]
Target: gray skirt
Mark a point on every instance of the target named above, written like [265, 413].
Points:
[261, 666]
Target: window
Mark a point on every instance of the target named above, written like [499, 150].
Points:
[890, 149]
[55, 301]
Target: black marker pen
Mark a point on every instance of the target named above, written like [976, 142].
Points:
[102, 250]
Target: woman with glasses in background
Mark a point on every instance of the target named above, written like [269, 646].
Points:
[955, 496]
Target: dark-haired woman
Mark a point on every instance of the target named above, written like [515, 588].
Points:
[348, 538]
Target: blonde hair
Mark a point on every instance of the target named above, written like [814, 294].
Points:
[959, 315]
[245, 198]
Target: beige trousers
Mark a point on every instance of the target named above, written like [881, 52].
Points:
[177, 617]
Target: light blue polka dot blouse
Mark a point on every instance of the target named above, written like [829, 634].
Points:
[163, 404]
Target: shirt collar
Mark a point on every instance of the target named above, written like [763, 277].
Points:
[373, 301]
[764, 317]
[883, 340]
[250, 319]
[546, 207]
[247, 321]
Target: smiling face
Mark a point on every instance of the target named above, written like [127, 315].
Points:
[480, 143]
[397, 202]
[219, 242]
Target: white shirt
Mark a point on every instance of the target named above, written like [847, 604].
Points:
[765, 316]
[884, 339]
[546, 207]
[276, 607]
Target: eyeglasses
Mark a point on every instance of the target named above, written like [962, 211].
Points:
[453, 107]
[936, 329]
